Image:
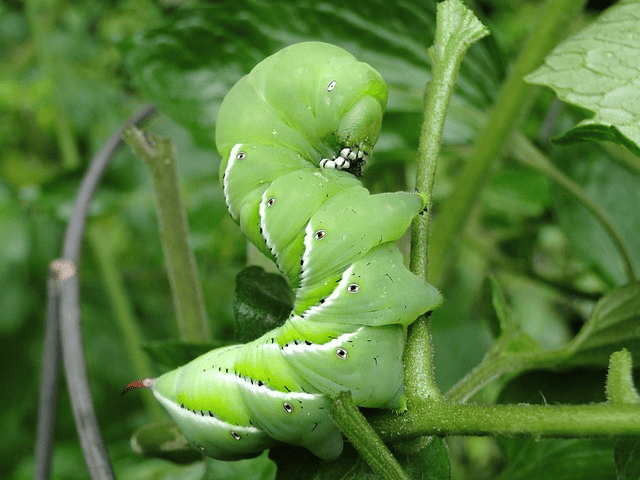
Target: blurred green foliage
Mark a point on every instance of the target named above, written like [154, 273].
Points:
[71, 72]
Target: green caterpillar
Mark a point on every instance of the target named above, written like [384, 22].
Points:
[293, 135]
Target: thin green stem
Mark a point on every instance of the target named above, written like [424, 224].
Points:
[157, 153]
[456, 30]
[356, 428]
[620, 387]
[551, 26]
[526, 153]
[536, 421]
[40, 24]
[123, 312]
[498, 363]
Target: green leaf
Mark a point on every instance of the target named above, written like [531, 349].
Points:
[259, 468]
[159, 469]
[428, 463]
[187, 66]
[164, 440]
[614, 324]
[261, 302]
[557, 459]
[597, 69]
[616, 189]
[626, 457]
[518, 191]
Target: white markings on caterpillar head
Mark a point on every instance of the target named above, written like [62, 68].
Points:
[347, 157]
[331, 86]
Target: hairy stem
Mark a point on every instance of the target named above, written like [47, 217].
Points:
[456, 30]
[536, 421]
[356, 428]
[157, 154]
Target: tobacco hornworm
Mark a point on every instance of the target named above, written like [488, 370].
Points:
[292, 135]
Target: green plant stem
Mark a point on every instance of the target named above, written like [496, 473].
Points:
[123, 312]
[157, 154]
[501, 360]
[526, 153]
[536, 421]
[39, 23]
[497, 363]
[620, 388]
[550, 27]
[356, 428]
[456, 30]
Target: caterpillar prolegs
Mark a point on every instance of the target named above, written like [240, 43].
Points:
[293, 135]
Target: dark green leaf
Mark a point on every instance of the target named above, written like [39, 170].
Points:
[616, 189]
[518, 191]
[430, 462]
[262, 301]
[558, 459]
[187, 66]
[626, 457]
[259, 468]
[164, 440]
[541, 387]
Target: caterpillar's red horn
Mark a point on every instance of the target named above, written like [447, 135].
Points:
[144, 383]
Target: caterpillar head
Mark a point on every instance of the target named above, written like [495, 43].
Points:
[312, 99]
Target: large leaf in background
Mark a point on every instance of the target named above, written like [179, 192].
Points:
[616, 190]
[598, 69]
[187, 66]
[614, 324]
[626, 456]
